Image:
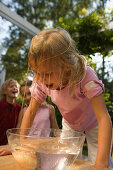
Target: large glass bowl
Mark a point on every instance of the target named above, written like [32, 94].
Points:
[45, 149]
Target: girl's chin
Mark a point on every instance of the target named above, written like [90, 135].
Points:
[14, 96]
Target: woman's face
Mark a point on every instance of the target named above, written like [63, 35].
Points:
[50, 75]
[25, 92]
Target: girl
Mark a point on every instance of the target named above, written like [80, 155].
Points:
[9, 110]
[61, 73]
[45, 116]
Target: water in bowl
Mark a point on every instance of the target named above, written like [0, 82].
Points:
[45, 154]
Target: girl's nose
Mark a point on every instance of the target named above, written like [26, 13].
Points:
[15, 88]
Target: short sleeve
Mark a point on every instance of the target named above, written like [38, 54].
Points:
[37, 93]
[91, 86]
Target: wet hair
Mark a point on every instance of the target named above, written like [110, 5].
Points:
[57, 46]
[4, 88]
[26, 83]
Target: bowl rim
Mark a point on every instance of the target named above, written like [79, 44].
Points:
[9, 131]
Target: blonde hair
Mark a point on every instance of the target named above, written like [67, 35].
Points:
[4, 88]
[57, 45]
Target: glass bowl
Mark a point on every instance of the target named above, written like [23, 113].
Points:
[45, 149]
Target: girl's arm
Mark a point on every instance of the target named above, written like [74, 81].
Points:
[20, 118]
[29, 115]
[104, 133]
[53, 121]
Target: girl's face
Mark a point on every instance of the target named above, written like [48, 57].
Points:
[25, 92]
[50, 75]
[12, 90]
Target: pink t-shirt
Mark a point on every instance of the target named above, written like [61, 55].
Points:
[76, 110]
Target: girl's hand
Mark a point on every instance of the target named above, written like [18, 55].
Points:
[5, 151]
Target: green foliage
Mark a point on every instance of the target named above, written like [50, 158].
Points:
[108, 96]
[15, 60]
[88, 32]
[19, 100]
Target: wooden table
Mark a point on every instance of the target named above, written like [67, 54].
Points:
[9, 163]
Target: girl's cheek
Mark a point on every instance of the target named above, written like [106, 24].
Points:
[24, 100]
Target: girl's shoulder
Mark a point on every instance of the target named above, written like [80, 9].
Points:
[91, 86]
[4, 103]
[48, 106]
[90, 70]
[90, 75]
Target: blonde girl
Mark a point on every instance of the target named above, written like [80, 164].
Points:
[62, 73]
[9, 110]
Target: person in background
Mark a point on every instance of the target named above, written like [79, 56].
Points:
[45, 116]
[63, 74]
[9, 110]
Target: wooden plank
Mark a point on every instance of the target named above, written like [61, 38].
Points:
[8, 163]
[81, 165]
